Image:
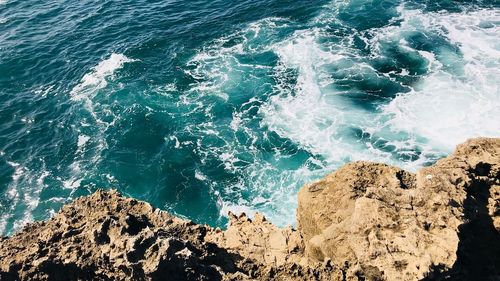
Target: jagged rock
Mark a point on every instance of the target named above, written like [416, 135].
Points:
[384, 223]
[276, 253]
[366, 221]
[109, 237]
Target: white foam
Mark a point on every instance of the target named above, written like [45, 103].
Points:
[96, 79]
[216, 66]
[199, 175]
[18, 170]
[82, 140]
[41, 179]
[236, 209]
[43, 91]
[72, 183]
[443, 108]
[313, 115]
[22, 200]
[447, 109]
[319, 118]
[27, 120]
[306, 117]
[177, 143]
[92, 131]
[111, 178]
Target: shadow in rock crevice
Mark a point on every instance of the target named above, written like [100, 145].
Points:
[478, 254]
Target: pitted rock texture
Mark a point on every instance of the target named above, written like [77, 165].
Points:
[109, 237]
[366, 221]
[276, 253]
[106, 236]
[384, 223]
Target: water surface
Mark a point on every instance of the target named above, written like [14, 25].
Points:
[201, 107]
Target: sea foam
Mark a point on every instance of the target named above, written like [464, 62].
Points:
[448, 108]
[443, 107]
[96, 79]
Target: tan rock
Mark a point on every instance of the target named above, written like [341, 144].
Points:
[385, 223]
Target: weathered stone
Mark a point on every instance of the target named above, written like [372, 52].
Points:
[389, 224]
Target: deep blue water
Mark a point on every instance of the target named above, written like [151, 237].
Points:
[201, 107]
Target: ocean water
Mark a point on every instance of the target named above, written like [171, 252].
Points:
[203, 107]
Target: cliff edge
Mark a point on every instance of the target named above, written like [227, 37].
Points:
[366, 221]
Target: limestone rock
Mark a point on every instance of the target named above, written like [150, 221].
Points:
[383, 223]
[109, 237]
[278, 253]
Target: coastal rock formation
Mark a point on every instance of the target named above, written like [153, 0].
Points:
[365, 221]
[109, 237]
[275, 253]
[385, 223]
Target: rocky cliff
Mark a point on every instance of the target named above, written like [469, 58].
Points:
[366, 221]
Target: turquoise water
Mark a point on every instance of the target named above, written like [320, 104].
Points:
[201, 107]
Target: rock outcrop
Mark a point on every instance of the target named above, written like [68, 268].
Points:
[381, 222]
[109, 237]
[366, 221]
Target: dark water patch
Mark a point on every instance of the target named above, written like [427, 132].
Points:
[362, 14]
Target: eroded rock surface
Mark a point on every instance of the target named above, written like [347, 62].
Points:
[276, 253]
[366, 221]
[384, 223]
[109, 237]
[106, 236]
